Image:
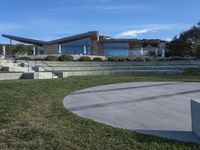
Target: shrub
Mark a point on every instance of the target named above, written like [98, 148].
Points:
[122, 59]
[149, 59]
[51, 58]
[196, 49]
[128, 59]
[38, 59]
[112, 59]
[97, 59]
[118, 59]
[24, 58]
[173, 58]
[66, 58]
[84, 58]
[141, 59]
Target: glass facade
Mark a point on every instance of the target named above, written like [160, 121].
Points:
[116, 49]
[141, 52]
[40, 50]
[79, 47]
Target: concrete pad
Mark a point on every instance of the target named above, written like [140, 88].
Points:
[156, 108]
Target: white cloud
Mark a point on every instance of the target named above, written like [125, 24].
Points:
[145, 29]
[133, 33]
[168, 39]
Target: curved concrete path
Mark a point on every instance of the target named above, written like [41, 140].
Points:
[157, 108]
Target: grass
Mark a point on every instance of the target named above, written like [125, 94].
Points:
[32, 116]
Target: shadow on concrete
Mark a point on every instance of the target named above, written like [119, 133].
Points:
[125, 88]
[114, 103]
[186, 136]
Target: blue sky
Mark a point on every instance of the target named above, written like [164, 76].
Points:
[50, 19]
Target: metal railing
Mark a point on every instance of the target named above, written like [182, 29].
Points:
[44, 67]
[33, 64]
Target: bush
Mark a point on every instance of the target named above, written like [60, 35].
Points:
[141, 59]
[118, 59]
[84, 58]
[149, 59]
[51, 58]
[122, 59]
[97, 59]
[173, 58]
[113, 59]
[66, 58]
[196, 49]
[24, 58]
[38, 59]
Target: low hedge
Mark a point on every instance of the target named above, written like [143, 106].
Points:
[97, 59]
[66, 58]
[84, 58]
[24, 58]
[174, 58]
[51, 58]
[126, 59]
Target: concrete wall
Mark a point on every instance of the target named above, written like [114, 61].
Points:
[195, 112]
[38, 75]
[10, 76]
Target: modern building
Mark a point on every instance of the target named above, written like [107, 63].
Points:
[91, 43]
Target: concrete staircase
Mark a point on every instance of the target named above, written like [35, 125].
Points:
[12, 66]
[49, 70]
[65, 69]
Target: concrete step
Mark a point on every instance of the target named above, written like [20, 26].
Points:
[122, 72]
[10, 76]
[40, 75]
[100, 64]
[105, 68]
[17, 69]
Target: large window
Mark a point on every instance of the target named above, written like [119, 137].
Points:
[40, 50]
[78, 47]
[116, 49]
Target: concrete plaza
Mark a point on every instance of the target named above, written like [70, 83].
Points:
[156, 108]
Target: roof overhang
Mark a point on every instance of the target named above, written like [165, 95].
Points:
[24, 40]
[92, 35]
[119, 40]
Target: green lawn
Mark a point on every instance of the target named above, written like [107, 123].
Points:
[32, 116]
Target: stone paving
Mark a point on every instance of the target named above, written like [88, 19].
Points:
[156, 108]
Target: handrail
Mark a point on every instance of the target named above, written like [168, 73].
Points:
[47, 65]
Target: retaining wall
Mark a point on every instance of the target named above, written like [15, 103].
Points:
[195, 112]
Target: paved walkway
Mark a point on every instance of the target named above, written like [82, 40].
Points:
[157, 108]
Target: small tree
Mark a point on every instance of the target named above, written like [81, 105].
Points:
[20, 48]
[196, 49]
[183, 45]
